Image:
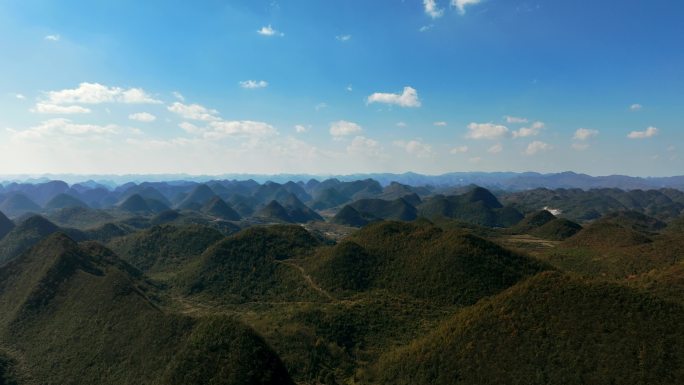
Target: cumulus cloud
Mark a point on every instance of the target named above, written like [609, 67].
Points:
[532, 130]
[144, 117]
[459, 150]
[95, 93]
[515, 120]
[343, 37]
[486, 131]
[253, 84]
[415, 148]
[636, 107]
[432, 10]
[269, 31]
[585, 134]
[225, 128]
[495, 149]
[344, 128]
[461, 5]
[190, 128]
[536, 147]
[193, 112]
[47, 108]
[178, 96]
[52, 37]
[649, 133]
[64, 127]
[408, 98]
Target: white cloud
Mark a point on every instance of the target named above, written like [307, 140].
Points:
[193, 112]
[52, 37]
[461, 4]
[178, 96]
[253, 84]
[649, 133]
[486, 131]
[408, 98]
[415, 148]
[95, 93]
[432, 10]
[190, 128]
[47, 108]
[363, 146]
[440, 124]
[585, 133]
[344, 128]
[426, 28]
[20, 96]
[269, 31]
[476, 159]
[533, 130]
[63, 126]
[320, 106]
[459, 150]
[300, 128]
[536, 147]
[144, 117]
[401, 124]
[495, 149]
[636, 107]
[343, 37]
[515, 120]
[224, 128]
[349, 88]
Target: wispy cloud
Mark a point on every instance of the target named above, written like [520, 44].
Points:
[648, 133]
[408, 98]
[459, 150]
[343, 38]
[54, 38]
[415, 148]
[636, 107]
[495, 149]
[440, 124]
[300, 128]
[62, 126]
[462, 4]
[515, 120]
[585, 134]
[47, 108]
[269, 31]
[194, 112]
[253, 84]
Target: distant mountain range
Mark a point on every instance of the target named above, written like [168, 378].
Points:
[492, 180]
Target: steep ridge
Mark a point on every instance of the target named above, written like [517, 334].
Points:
[218, 208]
[6, 225]
[110, 332]
[24, 236]
[398, 209]
[550, 329]
[62, 201]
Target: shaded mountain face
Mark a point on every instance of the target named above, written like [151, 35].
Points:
[6, 225]
[477, 206]
[398, 209]
[63, 201]
[550, 329]
[218, 208]
[24, 236]
[349, 216]
[197, 198]
[58, 284]
[17, 204]
[291, 210]
[136, 204]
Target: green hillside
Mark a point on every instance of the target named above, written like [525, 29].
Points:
[24, 236]
[6, 225]
[550, 329]
[79, 315]
[420, 260]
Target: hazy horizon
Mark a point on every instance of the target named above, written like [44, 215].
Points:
[268, 87]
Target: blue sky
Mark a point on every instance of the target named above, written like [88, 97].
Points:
[327, 87]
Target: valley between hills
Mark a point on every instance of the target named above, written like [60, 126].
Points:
[339, 282]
